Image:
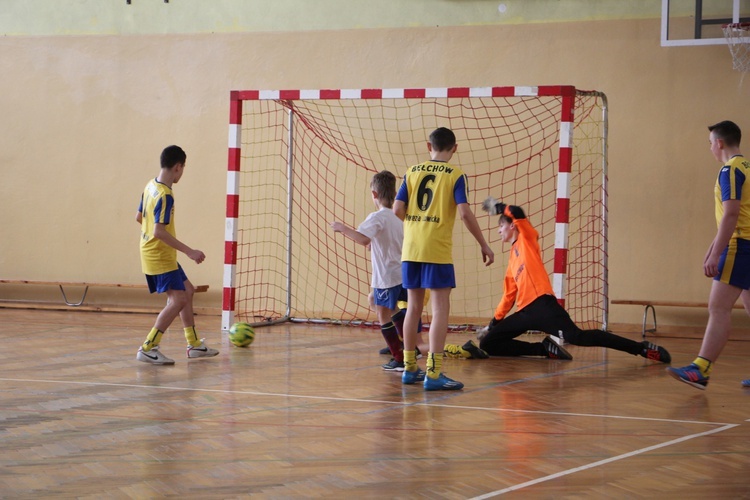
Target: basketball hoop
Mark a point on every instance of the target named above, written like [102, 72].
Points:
[738, 38]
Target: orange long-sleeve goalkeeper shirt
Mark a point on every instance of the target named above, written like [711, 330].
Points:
[526, 279]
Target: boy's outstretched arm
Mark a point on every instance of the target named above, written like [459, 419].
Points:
[470, 221]
[350, 233]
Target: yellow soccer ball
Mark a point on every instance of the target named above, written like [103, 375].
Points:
[241, 334]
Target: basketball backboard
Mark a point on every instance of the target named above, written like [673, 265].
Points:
[695, 22]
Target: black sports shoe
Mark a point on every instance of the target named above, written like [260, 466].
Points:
[554, 351]
[467, 351]
[655, 352]
[393, 366]
[475, 351]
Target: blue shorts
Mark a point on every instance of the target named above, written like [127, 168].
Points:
[734, 264]
[173, 280]
[389, 297]
[424, 275]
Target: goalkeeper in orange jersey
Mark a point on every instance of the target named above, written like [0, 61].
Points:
[527, 286]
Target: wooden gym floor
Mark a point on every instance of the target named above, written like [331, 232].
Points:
[306, 412]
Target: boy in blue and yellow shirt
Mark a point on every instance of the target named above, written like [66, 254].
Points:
[159, 246]
[727, 260]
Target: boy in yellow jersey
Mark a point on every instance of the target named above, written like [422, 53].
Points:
[429, 197]
[527, 286]
[159, 247]
[727, 260]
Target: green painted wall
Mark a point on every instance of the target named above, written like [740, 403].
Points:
[94, 17]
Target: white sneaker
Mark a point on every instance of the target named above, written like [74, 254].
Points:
[201, 351]
[154, 356]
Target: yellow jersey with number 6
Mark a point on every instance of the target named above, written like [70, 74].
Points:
[431, 192]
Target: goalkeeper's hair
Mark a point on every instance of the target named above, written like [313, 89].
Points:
[384, 184]
[442, 139]
[516, 212]
[728, 132]
[171, 156]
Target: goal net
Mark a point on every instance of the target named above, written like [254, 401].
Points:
[299, 160]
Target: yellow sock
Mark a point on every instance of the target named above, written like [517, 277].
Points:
[705, 365]
[191, 336]
[410, 361]
[434, 365]
[152, 339]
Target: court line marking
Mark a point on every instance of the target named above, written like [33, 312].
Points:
[593, 415]
[724, 426]
[601, 462]
[356, 400]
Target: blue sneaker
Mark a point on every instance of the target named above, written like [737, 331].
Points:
[746, 383]
[410, 378]
[442, 383]
[690, 374]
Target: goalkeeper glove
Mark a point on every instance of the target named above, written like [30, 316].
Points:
[482, 332]
[492, 206]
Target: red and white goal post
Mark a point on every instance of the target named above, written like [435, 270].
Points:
[300, 159]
